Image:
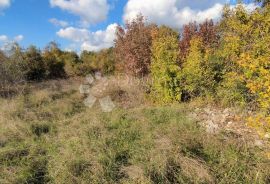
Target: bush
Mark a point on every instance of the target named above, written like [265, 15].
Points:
[197, 78]
[35, 67]
[164, 67]
[133, 47]
[12, 72]
[54, 63]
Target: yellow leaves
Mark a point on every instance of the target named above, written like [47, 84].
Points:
[261, 123]
[164, 68]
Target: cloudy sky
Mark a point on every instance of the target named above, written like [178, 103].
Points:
[90, 24]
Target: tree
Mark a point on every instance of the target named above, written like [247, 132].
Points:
[35, 65]
[106, 60]
[164, 68]
[54, 62]
[72, 61]
[207, 31]
[133, 47]
[196, 76]
[189, 31]
[263, 2]
[12, 70]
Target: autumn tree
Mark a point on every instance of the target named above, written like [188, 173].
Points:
[72, 61]
[133, 47]
[12, 71]
[207, 31]
[106, 60]
[164, 69]
[197, 75]
[54, 62]
[189, 31]
[36, 69]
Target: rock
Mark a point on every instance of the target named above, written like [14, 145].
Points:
[226, 111]
[258, 143]
[90, 101]
[267, 136]
[229, 123]
[211, 127]
[193, 116]
[223, 118]
[197, 110]
[84, 89]
[215, 118]
[207, 110]
[89, 79]
[107, 104]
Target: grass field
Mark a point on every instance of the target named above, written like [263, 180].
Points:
[47, 135]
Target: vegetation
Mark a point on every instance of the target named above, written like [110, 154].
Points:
[47, 135]
[133, 47]
[52, 138]
[164, 68]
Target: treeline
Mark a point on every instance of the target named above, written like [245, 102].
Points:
[227, 61]
[19, 65]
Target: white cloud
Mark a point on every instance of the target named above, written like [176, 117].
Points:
[5, 38]
[90, 11]
[18, 38]
[58, 23]
[100, 39]
[6, 43]
[74, 34]
[91, 41]
[4, 3]
[175, 13]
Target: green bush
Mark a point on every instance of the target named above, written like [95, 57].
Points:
[197, 77]
[164, 68]
[35, 67]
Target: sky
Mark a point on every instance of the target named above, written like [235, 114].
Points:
[90, 24]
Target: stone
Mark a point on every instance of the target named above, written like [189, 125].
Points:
[267, 136]
[98, 75]
[89, 79]
[229, 123]
[90, 101]
[258, 143]
[84, 89]
[207, 110]
[211, 127]
[106, 104]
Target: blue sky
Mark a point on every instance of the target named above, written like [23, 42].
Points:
[90, 24]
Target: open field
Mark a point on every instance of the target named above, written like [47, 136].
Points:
[47, 135]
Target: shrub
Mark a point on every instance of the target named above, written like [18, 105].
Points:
[54, 62]
[207, 31]
[12, 72]
[196, 75]
[133, 47]
[72, 61]
[164, 66]
[35, 67]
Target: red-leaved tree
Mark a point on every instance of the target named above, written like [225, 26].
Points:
[207, 31]
[133, 47]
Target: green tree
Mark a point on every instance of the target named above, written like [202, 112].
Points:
[35, 67]
[72, 61]
[164, 67]
[197, 77]
[54, 62]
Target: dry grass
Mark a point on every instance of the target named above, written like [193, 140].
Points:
[49, 136]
